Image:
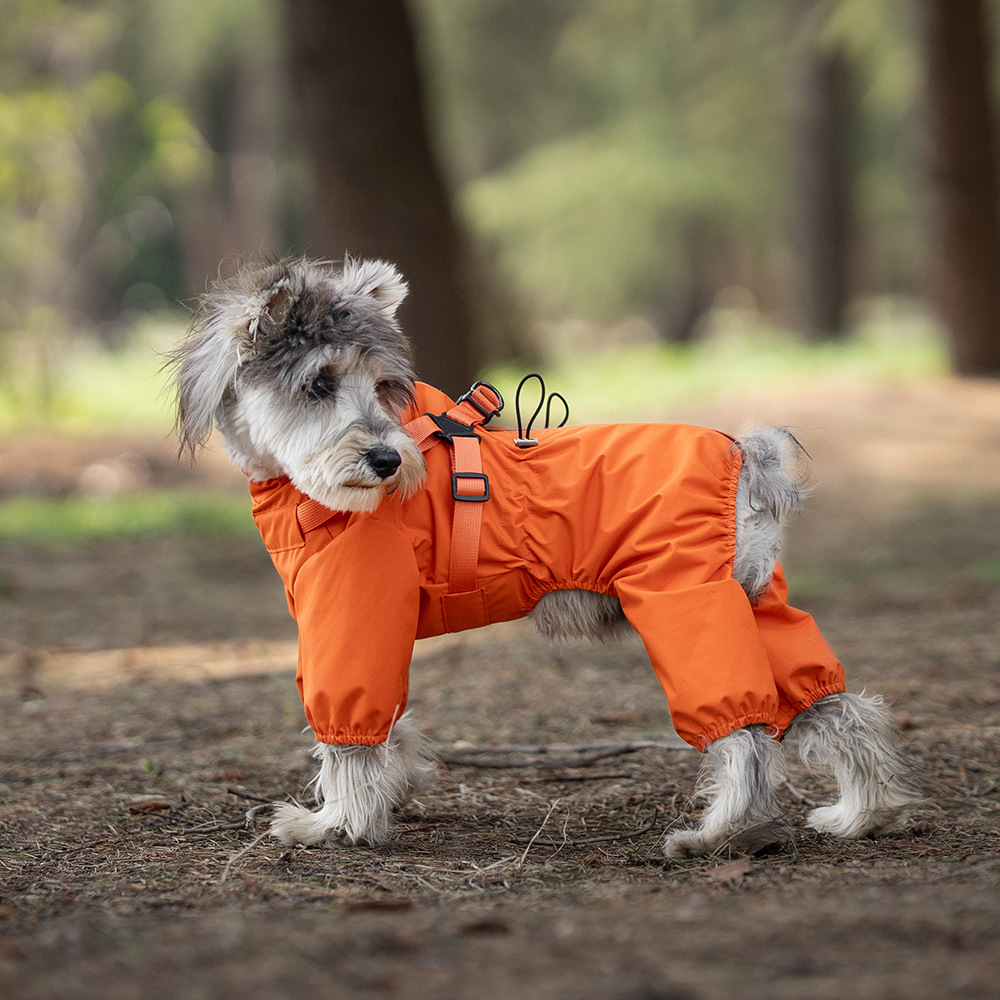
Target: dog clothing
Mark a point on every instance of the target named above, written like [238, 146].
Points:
[642, 512]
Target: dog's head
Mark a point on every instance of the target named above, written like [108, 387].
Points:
[303, 368]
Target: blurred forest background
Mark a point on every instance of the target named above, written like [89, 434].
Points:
[551, 176]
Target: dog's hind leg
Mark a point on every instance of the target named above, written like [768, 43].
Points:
[739, 778]
[856, 739]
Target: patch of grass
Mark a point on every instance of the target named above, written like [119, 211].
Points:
[638, 380]
[163, 513]
[88, 388]
[988, 571]
[84, 388]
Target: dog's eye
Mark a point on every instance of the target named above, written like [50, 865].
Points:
[393, 393]
[323, 386]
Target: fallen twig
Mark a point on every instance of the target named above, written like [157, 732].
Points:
[469, 748]
[247, 795]
[602, 776]
[581, 756]
[239, 854]
[801, 796]
[582, 841]
[532, 841]
[200, 831]
[250, 817]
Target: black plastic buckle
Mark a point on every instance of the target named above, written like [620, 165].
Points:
[455, 476]
[488, 415]
[448, 428]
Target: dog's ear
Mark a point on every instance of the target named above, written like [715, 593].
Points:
[205, 365]
[274, 301]
[377, 280]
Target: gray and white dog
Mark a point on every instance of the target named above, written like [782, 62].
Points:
[304, 370]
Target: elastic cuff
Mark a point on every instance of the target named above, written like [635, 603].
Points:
[787, 715]
[702, 740]
[347, 739]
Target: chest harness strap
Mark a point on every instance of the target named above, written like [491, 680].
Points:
[470, 486]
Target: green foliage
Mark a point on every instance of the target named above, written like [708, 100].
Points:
[590, 224]
[608, 154]
[75, 520]
[103, 155]
[88, 162]
[592, 138]
[84, 387]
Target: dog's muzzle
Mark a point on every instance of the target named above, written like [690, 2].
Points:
[383, 461]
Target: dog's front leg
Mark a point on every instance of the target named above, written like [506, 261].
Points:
[358, 788]
[739, 778]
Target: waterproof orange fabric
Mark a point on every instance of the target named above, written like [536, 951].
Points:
[645, 512]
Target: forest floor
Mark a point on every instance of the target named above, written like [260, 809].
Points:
[150, 712]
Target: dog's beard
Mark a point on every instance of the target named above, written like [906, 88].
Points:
[326, 454]
[343, 478]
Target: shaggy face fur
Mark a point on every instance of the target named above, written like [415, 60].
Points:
[304, 370]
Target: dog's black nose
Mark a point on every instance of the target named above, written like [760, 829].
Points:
[384, 461]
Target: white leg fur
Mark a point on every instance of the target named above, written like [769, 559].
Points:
[357, 788]
[739, 778]
[856, 739]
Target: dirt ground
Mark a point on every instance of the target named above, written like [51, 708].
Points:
[150, 715]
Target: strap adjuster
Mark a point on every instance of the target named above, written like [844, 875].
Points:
[470, 497]
[469, 397]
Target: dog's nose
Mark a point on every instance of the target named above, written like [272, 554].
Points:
[383, 461]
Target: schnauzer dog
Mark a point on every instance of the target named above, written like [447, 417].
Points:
[392, 513]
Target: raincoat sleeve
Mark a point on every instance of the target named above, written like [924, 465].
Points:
[356, 603]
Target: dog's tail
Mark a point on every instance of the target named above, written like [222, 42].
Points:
[772, 485]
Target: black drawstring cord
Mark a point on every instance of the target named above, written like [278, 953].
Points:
[548, 410]
[524, 438]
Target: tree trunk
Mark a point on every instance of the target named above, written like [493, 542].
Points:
[962, 212]
[377, 190]
[824, 182]
[688, 294]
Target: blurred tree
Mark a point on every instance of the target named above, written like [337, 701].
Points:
[642, 155]
[653, 177]
[377, 189]
[962, 192]
[613, 157]
[221, 60]
[824, 189]
[87, 164]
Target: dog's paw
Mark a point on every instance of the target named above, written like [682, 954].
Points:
[750, 840]
[687, 844]
[839, 821]
[294, 824]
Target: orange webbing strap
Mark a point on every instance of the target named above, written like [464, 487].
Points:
[478, 406]
[470, 486]
[311, 514]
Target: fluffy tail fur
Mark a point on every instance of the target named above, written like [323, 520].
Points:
[770, 488]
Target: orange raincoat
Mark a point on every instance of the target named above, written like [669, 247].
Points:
[644, 512]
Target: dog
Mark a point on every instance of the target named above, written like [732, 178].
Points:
[365, 483]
